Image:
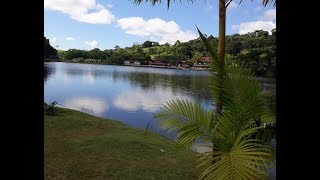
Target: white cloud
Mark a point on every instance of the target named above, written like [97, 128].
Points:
[79, 10]
[265, 22]
[92, 44]
[246, 27]
[62, 48]
[157, 28]
[53, 40]
[153, 39]
[95, 106]
[70, 38]
[269, 15]
[89, 78]
[110, 6]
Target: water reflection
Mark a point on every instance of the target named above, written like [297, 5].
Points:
[189, 82]
[48, 71]
[90, 105]
[134, 93]
[146, 100]
[89, 78]
[189, 85]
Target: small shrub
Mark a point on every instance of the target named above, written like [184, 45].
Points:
[51, 109]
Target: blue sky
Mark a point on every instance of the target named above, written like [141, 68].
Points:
[87, 24]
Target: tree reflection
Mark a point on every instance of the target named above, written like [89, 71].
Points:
[192, 84]
[48, 71]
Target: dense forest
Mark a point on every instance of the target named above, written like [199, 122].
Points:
[256, 50]
[49, 51]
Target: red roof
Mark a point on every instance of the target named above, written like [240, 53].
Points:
[159, 63]
[185, 65]
[204, 60]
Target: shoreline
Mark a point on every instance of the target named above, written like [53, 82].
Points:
[149, 66]
[197, 147]
[145, 66]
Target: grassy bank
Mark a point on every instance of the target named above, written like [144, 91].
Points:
[81, 146]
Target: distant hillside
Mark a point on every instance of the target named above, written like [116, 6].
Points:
[49, 51]
[256, 50]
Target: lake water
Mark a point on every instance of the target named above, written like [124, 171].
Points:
[128, 94]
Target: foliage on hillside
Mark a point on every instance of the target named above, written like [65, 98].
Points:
[257, 50]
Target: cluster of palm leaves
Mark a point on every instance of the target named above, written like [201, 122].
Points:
[240, 135]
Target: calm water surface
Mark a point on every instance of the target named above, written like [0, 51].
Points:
[127, 94]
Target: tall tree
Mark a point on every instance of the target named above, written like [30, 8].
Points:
[49, 51]
[147, 44]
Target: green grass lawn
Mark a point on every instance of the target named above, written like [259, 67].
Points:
[81, 146]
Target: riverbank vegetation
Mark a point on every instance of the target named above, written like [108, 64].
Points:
[81, 146]
[257, 50]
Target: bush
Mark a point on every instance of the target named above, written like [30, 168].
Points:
[51, 109]
[190, 63]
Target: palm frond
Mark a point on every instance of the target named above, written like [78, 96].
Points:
[237, 152]
[188, 119]
[217, 70]
[247, 159]
[244, 106]
[266, 2]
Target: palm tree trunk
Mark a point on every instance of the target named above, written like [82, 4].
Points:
[221, 46]
[221, 52]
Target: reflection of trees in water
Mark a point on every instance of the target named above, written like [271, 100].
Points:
[75, 72]
[81, 72]
[48, 71]
[196, 86]
[269, 84]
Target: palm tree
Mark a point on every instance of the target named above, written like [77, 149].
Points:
[240, 145]
[238, 151]
[223, 4]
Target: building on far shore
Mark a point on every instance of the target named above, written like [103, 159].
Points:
[185, 66]
[158, 63]
[203, 62]
[127, 62]
[131, 63]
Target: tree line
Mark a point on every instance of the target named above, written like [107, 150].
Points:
[256, 50]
